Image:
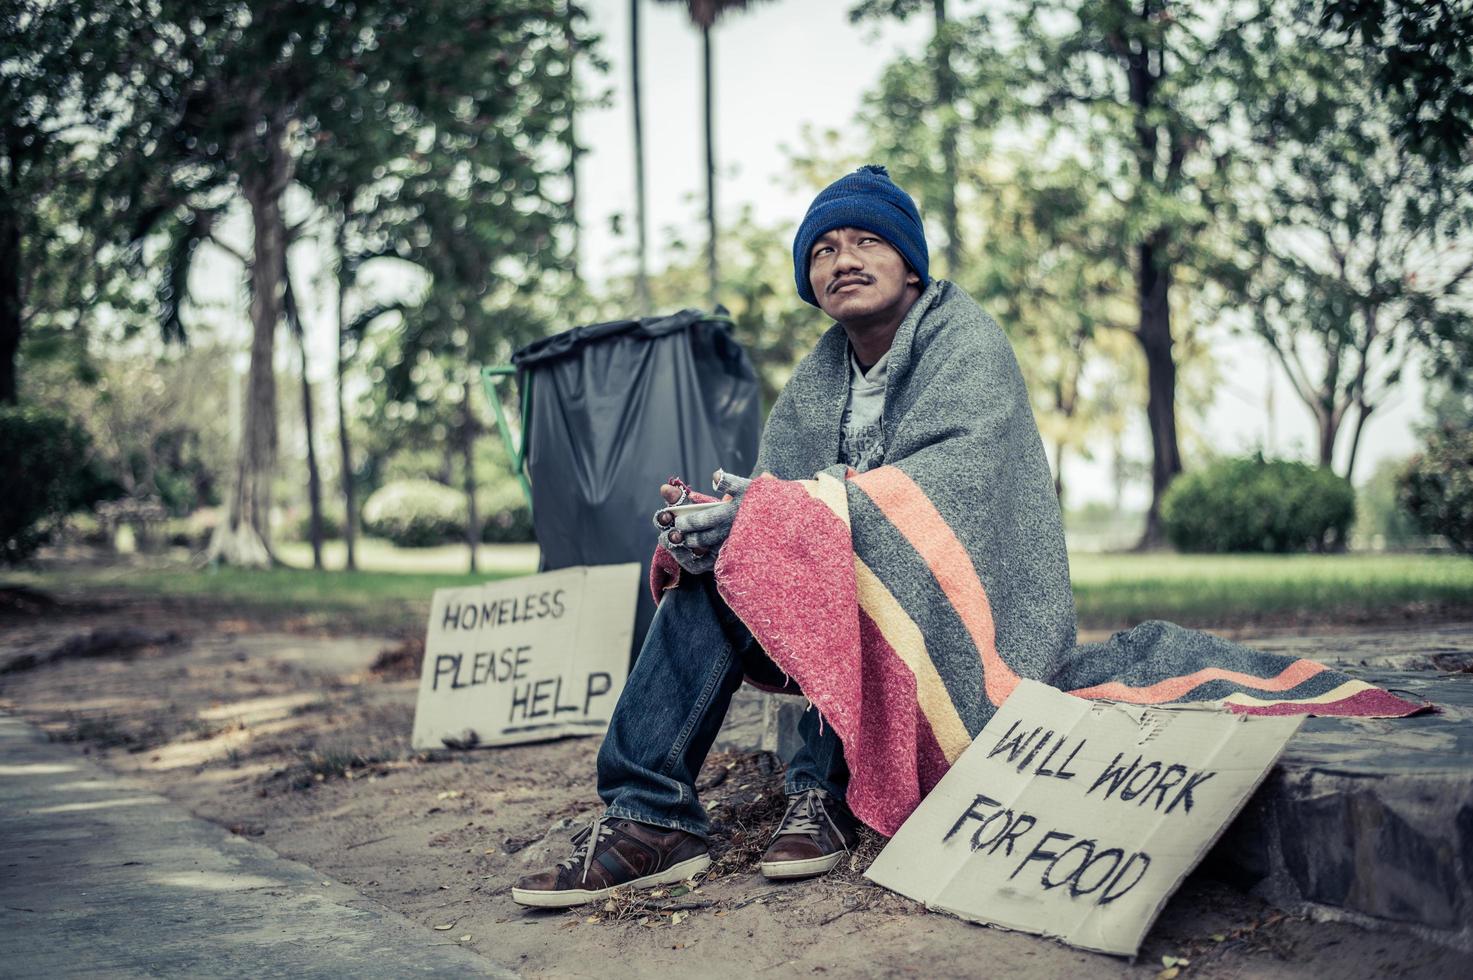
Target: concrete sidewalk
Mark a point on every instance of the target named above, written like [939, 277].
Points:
[99, 877]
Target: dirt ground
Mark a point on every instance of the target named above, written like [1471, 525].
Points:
[288, 738]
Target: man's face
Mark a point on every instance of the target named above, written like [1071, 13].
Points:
[856, 274]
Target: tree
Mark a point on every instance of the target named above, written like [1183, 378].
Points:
[1133, 94]
[1357, 244]
[641, 215]
[62, 77]
[1422, 64]
[936, 114]
[240, 94]
[704, 14]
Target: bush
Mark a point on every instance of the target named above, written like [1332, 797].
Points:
[1437, 487]
[47, 456]
[415, 513]
[506, 517]
[1381, 521]
[332, 524]
[1254, 504]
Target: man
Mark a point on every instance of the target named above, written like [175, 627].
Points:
[860, 255]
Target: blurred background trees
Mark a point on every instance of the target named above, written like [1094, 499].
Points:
[1120, 184]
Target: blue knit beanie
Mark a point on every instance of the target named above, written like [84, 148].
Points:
[866, 199]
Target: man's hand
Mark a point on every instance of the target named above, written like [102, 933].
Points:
[694, 539]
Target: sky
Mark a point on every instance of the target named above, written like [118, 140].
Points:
[780, 67]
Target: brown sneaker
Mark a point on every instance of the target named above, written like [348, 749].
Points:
[613, 854]
[816, 833]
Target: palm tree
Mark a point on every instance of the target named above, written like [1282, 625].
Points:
[641, 224]
[704, 14]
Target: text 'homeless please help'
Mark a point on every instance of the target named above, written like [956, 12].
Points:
[1078, 819]
[527, 658]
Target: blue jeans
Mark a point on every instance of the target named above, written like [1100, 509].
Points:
[673, 704]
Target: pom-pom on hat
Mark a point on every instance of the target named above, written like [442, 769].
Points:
[866, 199]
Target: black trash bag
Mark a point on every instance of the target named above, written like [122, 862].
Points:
[616, 410]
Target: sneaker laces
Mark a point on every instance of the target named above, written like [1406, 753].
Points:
[806, 815]
[586, 842]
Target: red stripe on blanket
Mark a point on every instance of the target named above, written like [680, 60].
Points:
[887, 784]
[787, 571]
[908, 508]
[1370, 703]
[1176, 687]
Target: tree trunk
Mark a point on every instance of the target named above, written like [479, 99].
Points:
[710, 170]
[641, 223]
[946, 103]
[1153, 287]
[244, 537]
[345, 449]
[1327, 420]
[468, 459]
[571, 40]
[10, 303]
[314, 479]
[1363, 413]
[1059, 472]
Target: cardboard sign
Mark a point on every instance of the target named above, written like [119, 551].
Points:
[524, 659]
[1077, 819]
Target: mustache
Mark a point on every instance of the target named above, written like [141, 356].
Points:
[850, 280]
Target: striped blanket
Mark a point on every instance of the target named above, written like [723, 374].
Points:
[908, 601]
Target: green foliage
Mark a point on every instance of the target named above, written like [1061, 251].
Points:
[1350, 241]
[47, 455]
[1254, 504]
[1426, 67]
[1380, 519]
[1437, 486]
[415, 513]
[506, 518]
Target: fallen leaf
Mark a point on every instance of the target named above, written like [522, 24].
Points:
[446, 927]
[678, 891]
[328, 883]
[1218, 937]
[1168, 961]
[677, 918]
[1170, 973]
[464, 939]
[449, 794]
[658, 893]
[593, 919]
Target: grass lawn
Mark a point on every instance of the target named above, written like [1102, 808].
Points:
[392, 590]
[1213, 590]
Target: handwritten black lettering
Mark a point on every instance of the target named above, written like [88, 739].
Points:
[1040, 852]
[1184, 795]
[1135, 785]
[1087, 849]
[599, 684]
[1166, 782]
[1014, 746]
[445, 663]
[1076, 886]
[1115, 890]
[971, 812]
[1114, 774]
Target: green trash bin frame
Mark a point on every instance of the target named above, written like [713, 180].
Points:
[516, 450]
